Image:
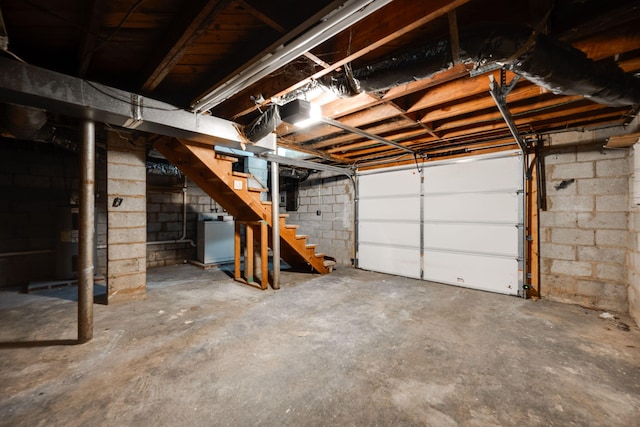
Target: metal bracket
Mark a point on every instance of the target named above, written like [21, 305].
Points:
[136, 119]
[499, 94]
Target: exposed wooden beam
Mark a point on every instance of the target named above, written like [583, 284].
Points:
[456, 90]
[93, 20]
[397, 29]
[454, 36]
[188, 28]
[279, 28]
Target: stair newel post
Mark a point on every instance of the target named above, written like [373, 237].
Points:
[275, 223]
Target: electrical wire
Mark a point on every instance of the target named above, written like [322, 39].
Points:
[117, 28]
[125, 100]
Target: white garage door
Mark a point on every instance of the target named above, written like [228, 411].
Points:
[456, 222]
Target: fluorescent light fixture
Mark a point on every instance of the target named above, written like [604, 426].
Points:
[340, 19]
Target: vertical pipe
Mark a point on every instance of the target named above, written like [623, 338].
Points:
[86, 232]
[275, 222]
[356, 222]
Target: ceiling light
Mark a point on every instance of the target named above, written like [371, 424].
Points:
[300, 113]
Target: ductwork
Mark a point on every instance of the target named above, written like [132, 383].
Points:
[547, 62]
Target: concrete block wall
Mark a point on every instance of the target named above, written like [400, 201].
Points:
[165, 221]
[634, 235]
[35, 179]
[332, 229]
[126, 219]
[584, 236]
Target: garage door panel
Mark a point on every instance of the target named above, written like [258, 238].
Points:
[395, 209]
[393, 183]
[473, 271]
[478, 238]
[385, 259]
[478, 207]
[465, 218]
[403, 234]
[478, 175]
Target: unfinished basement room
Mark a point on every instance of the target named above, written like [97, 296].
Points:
[320, 213]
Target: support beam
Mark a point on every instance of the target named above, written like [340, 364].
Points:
[96, 10]
[348, 14]
[86, 232]
[58, 93]
[454, 36]
[360, 132]
[192, 24]
[279, 28]
[300, 163]
[431, 11]
[275, 223]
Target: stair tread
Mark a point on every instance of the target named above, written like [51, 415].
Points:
[226, 158]
[216, 176]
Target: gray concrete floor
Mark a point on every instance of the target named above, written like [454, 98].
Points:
[351, 348]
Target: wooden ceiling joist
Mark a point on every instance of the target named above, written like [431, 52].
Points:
[190, 26]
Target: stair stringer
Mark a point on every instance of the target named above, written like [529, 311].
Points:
[229, 189]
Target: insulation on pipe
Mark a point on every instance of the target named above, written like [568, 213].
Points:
[541, 59]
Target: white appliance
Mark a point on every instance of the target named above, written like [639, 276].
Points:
[215, 238]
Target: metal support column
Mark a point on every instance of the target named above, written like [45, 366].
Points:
[86, 232]
[275, 222]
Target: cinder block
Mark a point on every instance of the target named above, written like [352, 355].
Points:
[614, 167]
[602, 295]
[123, 288]
[168, 217]
[571, 203]
[123, 188]
[171, 208]
[617, 238]
[557, 285]
[599, 254]
[586, 154]
[613, 203]
[126, 251]
[572, 236]
[572, 268]
[328, 200]
[603, 220]
[612, 271]
[570, 171]
[558, 219]
[562, 157]
[315, 200]
[602, 186]
[128, 157]
[127, 172]
[127, 266]
[558, 252]
[127, 235]
[329, 234]
[566, 188]
[127, 219]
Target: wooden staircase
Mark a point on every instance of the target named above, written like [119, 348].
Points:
[213, 173]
